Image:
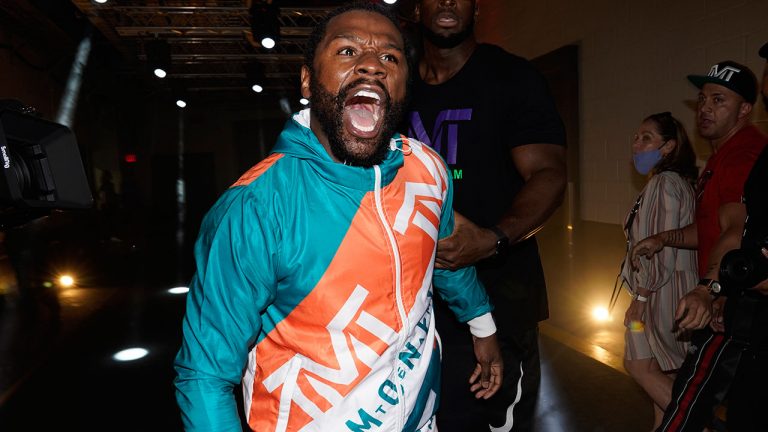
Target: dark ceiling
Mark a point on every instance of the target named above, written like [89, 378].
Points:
[211, 42]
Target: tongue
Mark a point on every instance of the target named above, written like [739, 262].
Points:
[361, 119]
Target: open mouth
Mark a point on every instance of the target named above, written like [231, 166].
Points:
[363, 113]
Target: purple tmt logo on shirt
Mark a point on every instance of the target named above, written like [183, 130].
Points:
[446, 122]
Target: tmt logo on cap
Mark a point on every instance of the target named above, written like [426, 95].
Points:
[724, 74]
[731, 75]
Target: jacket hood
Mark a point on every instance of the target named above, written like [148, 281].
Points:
[297, 140]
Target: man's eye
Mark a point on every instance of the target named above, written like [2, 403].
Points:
[347, 52]
[390, 58]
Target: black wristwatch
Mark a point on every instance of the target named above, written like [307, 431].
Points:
[502, 241]
[713, 287]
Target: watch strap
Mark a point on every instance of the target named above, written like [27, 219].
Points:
[502, 241]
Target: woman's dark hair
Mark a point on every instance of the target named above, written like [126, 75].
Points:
[682, 159]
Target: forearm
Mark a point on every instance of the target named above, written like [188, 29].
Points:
[463, 292]
[729, 240]
[684, 238]
[534, 204]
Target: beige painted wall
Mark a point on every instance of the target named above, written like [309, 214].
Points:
[634, 56]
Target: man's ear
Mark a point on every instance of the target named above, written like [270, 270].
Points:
[745, 109]
[477, 10]
[306, 76]
[417, 12]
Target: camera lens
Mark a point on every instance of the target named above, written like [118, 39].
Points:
[743, 268]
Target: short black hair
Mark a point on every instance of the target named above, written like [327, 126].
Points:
[318, 33]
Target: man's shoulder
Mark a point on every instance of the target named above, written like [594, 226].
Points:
[496, 53]
[258, 170]
[428, 157]
[744, 147]
[749, 137]
[419, 148]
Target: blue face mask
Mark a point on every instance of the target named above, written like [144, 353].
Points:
[644, 162]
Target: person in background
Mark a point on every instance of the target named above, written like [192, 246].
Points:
[315, 270]
[490, 115]
[737, 373]
[727, 94]
[654, 347]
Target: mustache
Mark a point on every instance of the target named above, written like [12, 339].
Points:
[360, 81]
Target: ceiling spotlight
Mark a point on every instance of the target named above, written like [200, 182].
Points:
[265, 22]
[158, 57]
[304, 101]
[390, 1]
[100, 1]
[179, 93]
[254, 73]
[267, 42]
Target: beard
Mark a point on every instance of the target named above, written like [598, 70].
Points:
[352, 150]
[451, 40]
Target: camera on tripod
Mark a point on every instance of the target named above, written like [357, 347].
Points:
[741, 269]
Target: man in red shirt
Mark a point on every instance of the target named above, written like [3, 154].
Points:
[727, 95]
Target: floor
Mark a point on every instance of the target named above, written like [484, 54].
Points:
[57, 370]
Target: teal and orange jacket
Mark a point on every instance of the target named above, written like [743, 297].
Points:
[313, 291]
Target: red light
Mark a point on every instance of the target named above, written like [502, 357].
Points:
[130, 158]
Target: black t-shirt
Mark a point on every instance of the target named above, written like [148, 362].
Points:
[756, 236]
[497, 101]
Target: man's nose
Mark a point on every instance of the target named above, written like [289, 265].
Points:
[447, 3]
[370, 64]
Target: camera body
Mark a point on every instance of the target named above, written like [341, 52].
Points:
[741, 269]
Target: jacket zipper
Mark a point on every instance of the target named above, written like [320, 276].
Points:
[400, 419]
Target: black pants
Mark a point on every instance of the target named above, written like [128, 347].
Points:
[513, 407]
[701, 383]
[730, 367]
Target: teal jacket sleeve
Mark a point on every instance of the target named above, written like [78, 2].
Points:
[461, 289]
[234, 283]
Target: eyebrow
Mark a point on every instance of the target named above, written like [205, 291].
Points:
[701, 93]
[357, 39]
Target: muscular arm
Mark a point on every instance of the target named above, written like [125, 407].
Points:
[695, 310]
[542, 166]
[731, 217]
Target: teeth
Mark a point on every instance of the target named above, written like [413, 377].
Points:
[367, 93]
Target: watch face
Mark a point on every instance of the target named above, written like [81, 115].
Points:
[715, 287]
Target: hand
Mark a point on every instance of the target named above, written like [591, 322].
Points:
[717, 315]
[762, 287]
[694, 310]
[465, 246]
[635, 312]
[647, 248]
[489, 367]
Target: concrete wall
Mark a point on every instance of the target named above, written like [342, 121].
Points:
[634, 56]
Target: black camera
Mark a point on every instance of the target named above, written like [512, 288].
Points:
[41, 164]
[743, 268]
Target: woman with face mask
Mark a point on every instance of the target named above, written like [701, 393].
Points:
[654, 347]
